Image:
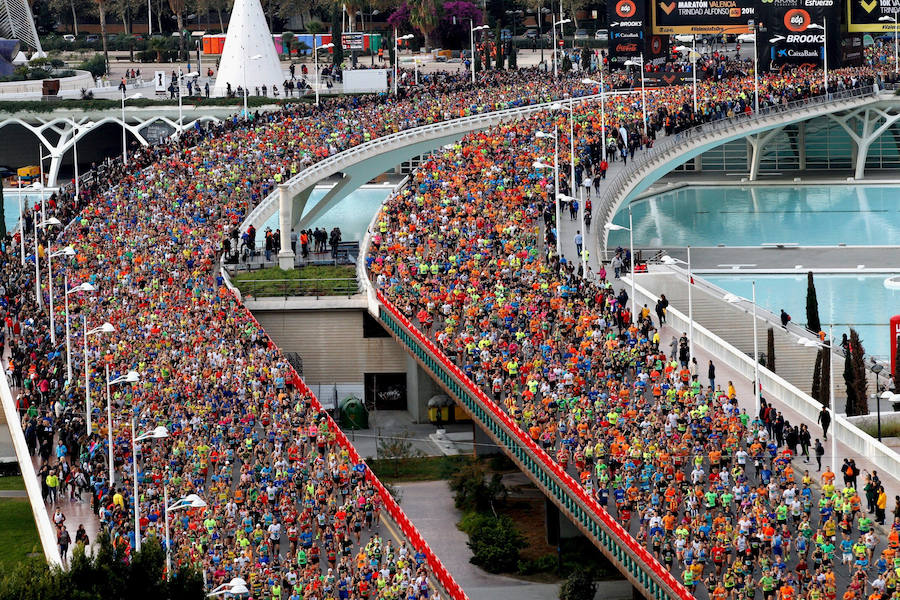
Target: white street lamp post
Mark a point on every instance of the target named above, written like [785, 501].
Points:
[824, 28]
[316, 58]
[68, 251]
[124, 129]
[556, 24]
[131, 377]
[51, 222]
[84, 287]
[408, 36]
[105, 328]
[247, 91]
[602, 108]
[630, 229]
[640, 63]
[692, 53]
[189, 501]
[159, 432]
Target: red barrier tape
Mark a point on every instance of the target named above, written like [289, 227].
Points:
[409, 531]
[574, 488]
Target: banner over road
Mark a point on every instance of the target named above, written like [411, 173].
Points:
[702, 16]
[863, 15]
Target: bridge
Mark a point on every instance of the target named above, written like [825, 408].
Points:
[855, 110]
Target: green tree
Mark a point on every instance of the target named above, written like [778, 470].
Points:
[825, 381]
[397, 448]
[770, 350]
[101, 8]
[848, 383]
[860, 383]
[495, 545]
[812, 305]
[817, 377]
[578, 586]
[287, 42]
[425, 15]
[473, 491]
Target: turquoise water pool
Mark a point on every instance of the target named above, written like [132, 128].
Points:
[858, 301]
[813, 215]
[11, 204]
[352, 214]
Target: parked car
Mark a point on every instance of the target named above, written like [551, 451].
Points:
[532, 34]
[582, 34]
[91, 38]
[602, 35]
[69, 37]
[745, 38]
[684, 38]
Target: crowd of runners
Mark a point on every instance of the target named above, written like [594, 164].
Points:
[727, 500]
[287, 509]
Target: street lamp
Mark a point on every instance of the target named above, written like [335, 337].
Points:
[75, 130]
[236, 586]
[732, 299]
[877, 368]
[316, 58]
[824, 29]
[68, 251]
[105, 328]
[630, 230]
[51, 222]
[556, 24]
[408, 36]
[124, 130]
[829, 347]
[640, 63]
[181, 77]
[84, 287]
[130, 377]
[555, 167]
[189, 501]
[247, 91]
[472, 30]
[895, 19]
[602, 108]
[668, 260]
[692, 55]
[157, 433]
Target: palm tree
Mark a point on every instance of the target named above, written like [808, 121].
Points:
[424, 16]
[287, 40]
[101, 8]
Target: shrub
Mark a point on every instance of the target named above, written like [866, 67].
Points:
[471, 490]
[578, 586]
[96, 65]
[495, 545]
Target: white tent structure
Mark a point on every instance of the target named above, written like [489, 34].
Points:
[248, 58]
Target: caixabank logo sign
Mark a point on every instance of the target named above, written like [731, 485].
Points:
[626, 30]
[797, 31]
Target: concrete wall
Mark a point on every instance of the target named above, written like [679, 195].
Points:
[81, 79]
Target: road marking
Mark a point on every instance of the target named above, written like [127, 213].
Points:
[736, 266]
[798, 266]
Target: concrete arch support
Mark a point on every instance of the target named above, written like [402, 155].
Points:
[864, 126]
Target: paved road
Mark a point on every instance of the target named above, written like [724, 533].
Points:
[429, 504]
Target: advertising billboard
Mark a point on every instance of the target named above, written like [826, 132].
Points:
[863, 15]
[626, 30]
[704, 17]
[794, 33]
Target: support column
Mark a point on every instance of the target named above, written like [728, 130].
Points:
[286, 255]
[801, 146]
[53, 172]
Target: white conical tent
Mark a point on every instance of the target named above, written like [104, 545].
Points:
[249, 50]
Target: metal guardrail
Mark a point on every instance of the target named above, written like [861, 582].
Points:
[701, 133]
[271, 288]
[630, 557]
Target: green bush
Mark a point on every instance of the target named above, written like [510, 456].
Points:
[545, 564]
[473, 492]
[472, 521]
[96, 65]
[495, 545]
[578, 586]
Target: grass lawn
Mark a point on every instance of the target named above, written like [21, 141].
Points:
[12, 482]
[313, 280]
[425, 468]
[20, 536]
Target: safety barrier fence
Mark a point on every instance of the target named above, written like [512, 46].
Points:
[439, 573]
[632, 559]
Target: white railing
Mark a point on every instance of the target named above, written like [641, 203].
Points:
[365, 284]
[776, 387]
[337, 162]
[46, 531]
[616, 191]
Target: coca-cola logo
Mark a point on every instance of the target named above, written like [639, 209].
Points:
[626, 47]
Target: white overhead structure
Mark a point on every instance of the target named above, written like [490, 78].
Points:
[17, 23]
[249, 57]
